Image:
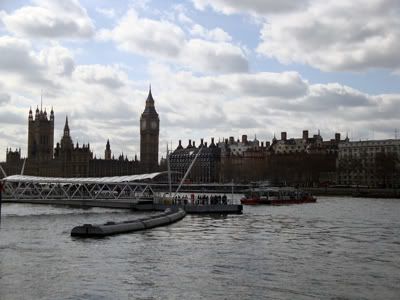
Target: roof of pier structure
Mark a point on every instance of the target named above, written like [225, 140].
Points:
[94, 180]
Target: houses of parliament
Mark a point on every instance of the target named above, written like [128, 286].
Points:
[69, 160]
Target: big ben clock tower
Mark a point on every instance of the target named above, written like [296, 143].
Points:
[149, 132]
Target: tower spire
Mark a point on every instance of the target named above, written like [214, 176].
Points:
[149, 108]
[66, 127]
[150, 96]
[41, 100]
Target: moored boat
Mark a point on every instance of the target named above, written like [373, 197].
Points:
[276, 196]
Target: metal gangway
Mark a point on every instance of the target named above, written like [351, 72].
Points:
[132, 187]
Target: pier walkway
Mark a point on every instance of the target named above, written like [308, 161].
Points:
[127, 192]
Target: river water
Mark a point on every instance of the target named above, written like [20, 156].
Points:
[337, 248]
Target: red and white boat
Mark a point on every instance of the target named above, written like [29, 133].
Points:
[276, 196]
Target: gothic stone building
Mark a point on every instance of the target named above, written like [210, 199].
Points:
[206, 167]
[67, 160]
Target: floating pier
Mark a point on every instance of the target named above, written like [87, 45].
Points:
[167, 217]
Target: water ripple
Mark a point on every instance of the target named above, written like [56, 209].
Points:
[338, 248]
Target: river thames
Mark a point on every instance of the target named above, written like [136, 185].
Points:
[337, 248]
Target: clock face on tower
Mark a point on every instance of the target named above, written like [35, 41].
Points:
[143, 124]
[153, 124]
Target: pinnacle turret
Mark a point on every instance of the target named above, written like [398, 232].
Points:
[66, 127]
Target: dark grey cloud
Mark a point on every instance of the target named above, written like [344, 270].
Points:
[332, 96]
[281, 85]
[16, 58]
[244, 123]
[9, 117]
[4, 98]
[251, 6]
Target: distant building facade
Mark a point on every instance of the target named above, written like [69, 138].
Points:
[206, 168]
[13, 163]
[305, 161]
[369, 163]
[243, 160]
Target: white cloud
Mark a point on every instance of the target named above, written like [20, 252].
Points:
[181, 14]
[58, 59]
[164, 40]
[18, 61]
[16, 55]
[216, 34]
[50, 19]
[146, 36]
[332, 35]
[264, 103]
[250, 6]
[336, 35]
[217, 57]
[109, 76]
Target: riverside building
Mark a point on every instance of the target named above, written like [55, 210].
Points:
[206, 167]
[69, 160]
[305, 161]
[369, 163]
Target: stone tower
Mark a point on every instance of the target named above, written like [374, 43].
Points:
[149, 133]
[107, 152]
[40, 135]
[66, 141]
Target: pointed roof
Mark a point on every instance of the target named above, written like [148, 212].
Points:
[150, 96]
[66, 127]
[150, 109]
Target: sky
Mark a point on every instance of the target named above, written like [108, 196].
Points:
[217, 68]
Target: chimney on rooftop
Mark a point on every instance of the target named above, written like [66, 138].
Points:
[305, 134]
[283, 136]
